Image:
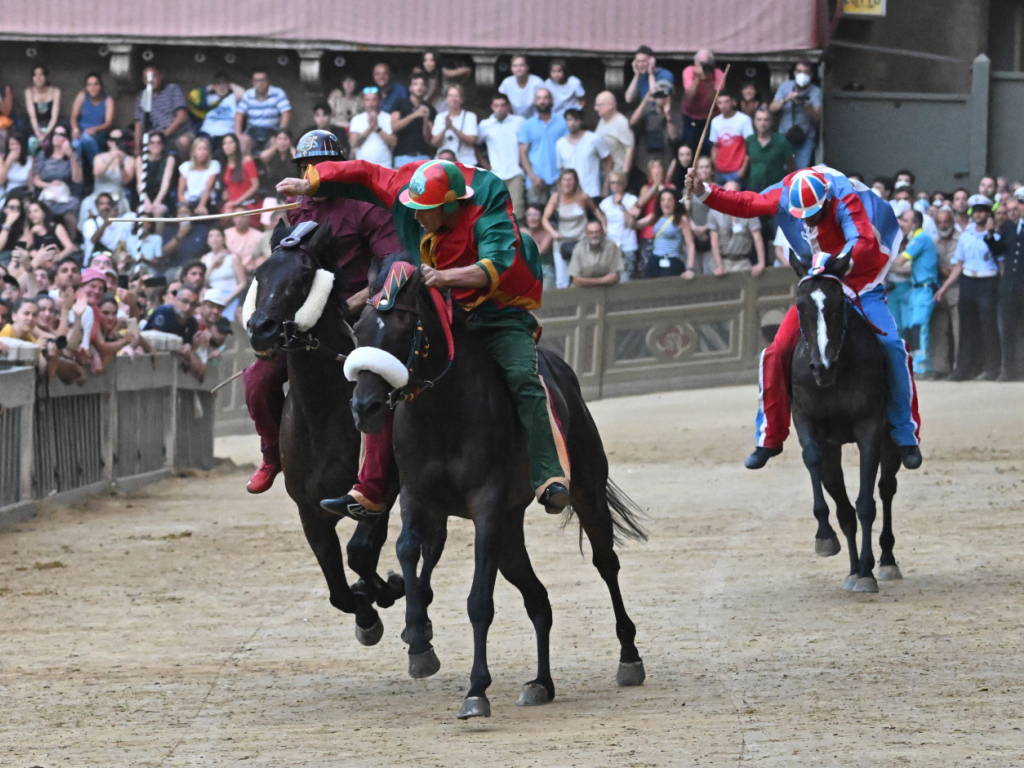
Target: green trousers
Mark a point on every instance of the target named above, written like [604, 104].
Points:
[508, 337]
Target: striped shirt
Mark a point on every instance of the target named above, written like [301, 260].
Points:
[166, 103]
[264, 113]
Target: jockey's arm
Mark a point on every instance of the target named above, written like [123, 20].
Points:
[355, 179]
[857, 228]
[745, 205]
[458, 277]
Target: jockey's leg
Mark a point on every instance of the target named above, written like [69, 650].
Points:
[771, 425]
[264, 397]
[510, 341]
[376, 458]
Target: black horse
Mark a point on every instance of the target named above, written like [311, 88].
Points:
[293, 307]
[839, 396]
[461, 451]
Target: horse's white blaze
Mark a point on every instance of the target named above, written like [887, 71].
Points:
[384, 364]
[819, 299]
[309, 313]
[249, 306]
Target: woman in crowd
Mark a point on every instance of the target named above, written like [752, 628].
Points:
[345, 103]
[671, 231]
[13, 223]
[110, 340]
[42, 227]
[53, 174]
[92, 114]
[225, 275]
[680, 164]
[573, 207]
[534, 225]
[23, 322]
[646, 205]
[617, 209]
[6, 110]
[705, 263]
[277, 163]
[196, 178]
[566, 90]
[749, 101]
[160, 173]
[16, 167]
[456, 129]
[431, 69]
[42, 105]
[52, 318]
[240, 179]
[113, 172]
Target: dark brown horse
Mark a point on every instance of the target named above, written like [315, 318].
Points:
[461, 450]
[293, 308]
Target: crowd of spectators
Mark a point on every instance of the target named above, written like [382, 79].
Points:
[596, 179]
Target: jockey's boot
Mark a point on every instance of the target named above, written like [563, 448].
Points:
[760, 457]
[910, 455]
[348, 506]
[555, 498]
[262, 478]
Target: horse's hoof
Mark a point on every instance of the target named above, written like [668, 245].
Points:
[631, 673]
[866, 584]
[889, 573]
[474, 706]
[423, 664]
[849, 582]
[396, 584]
[430, 633]
[532, 695]
[370, 635]
[826, 547]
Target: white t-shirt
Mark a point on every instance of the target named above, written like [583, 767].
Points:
[501, 139]
[374, 149]
[618, 137]
[466, 123]
[618, 232]
[566, 95]
[195, 180]
[114, 233]
[521, 99]
[220, 120]
[729, 135]
[584, 157]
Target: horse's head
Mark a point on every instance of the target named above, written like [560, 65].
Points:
[291, 288]
[821, 304]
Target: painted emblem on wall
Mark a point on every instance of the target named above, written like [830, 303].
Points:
[672, 341]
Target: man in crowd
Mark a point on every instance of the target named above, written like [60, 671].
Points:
[369, 133]
[391, 93]
[176, 315]
[582, 151]
[520, 87]
[411, 121]
[701, 80]
[595, 260]
[798, 104]
[499, 134]
[920, 253]
[613, 129]
[169, 113]
[657, 127]
[961, 219]
[736, 243]
[730, 129]
[944, 334]
[221, 104]
[537, 154]
[99, 232]
[1011, 287]
[987, 187]
[769, 153]
[646, 73]
[263, 111]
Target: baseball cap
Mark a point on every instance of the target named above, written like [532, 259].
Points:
[91, 273]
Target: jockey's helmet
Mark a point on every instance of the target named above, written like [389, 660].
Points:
[808, 192]
[436, 183]
[318, 146]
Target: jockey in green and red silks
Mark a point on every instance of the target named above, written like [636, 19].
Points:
[459, 221]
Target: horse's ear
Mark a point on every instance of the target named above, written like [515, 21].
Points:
[840, 265]
[279, 232]
[798, 265]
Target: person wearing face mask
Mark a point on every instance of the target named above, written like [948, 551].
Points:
[944, 331]
[798, 104]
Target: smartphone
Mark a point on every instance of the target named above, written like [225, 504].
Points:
[155, 282]
[122, 281]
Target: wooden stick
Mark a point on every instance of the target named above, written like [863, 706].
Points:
[707, 123]
[227, 381]
[211, 216]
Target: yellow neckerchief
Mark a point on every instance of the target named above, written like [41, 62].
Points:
[428, 247]
[910, 239]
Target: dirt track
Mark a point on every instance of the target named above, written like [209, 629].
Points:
[189, 625]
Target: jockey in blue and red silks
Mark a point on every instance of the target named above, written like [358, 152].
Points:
[823, 213]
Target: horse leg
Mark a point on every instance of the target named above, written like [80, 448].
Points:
[514, 564]
[832, 479]
[888, 570]
[431, 549]
[363, 557]
[481, 608]
[323, 540]
[423, 662]
[826, 543]
[869, 440]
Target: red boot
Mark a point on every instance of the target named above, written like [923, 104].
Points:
[262, 478]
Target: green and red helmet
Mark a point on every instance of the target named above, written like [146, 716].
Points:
[436, 183]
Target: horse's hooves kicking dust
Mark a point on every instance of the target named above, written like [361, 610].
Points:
[532, 695]
[827, 547]
[370, 635]
[889, 573]
[474, 706]
[423, 664]
[866, 584]
[631, 673]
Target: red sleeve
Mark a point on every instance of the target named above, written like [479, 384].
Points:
[356, 178]
[746, 205]
[249, 169]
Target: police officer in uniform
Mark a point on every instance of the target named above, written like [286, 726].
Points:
[1011, 288]
[977, 272]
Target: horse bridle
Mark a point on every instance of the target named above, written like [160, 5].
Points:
[846, 308]
[419, 351]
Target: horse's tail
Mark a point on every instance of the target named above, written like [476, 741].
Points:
[625, 513]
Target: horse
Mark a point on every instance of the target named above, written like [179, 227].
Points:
[839, 395]
[461, 451]
[293, 308]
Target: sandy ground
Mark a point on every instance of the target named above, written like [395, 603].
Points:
[189, 625]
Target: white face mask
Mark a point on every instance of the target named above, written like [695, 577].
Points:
[802, 79]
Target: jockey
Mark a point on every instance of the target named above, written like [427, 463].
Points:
[459, 220]
[823, 213]
[361, 233]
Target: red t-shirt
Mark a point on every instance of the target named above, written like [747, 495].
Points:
[235, 189]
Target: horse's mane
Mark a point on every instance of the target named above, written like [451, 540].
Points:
[379, 270]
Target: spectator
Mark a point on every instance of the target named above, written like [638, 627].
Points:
[520, 87]
[6, 110]
[196, 177]
[701, 80]
[278, 163]
[242, 239]
[736, 244]
[728, 140]
[961, 218]
[596, 260]
[194, 272]
[42, 105]
[321, 118]
[882, 186]
[499, 134]
[617, 209]
[656, 125]
[573, 207]
[370, 133]
[176, 315]
[987, 187]
[240, 179]
[82, 317]
[221, 106]
[978, 351]
[750, 101]
[798, 103]
[613, 129]
[225, 275]
[646, 75]
[922, 256]
[54, 171]
[542, 237]
[14, 219]
[99, 233]
[566, 90]
[456, 129]
[22, 324]
[582, 151]
[1011, 288]
[263, 111]
[16, 167]
[113, 172]
[43, 277]
[5, 315]
[537, 155]
[431, 70]
[43, 229]
[411, 120]
[111, 340]
[210, 335]
[52, 319]
[704, 263]
[769, 154]
[456, 69]
[645, 208]
[169, 113]
[671, 231]
[680, 164]
[446, 154]
[67, 278]
[11, 290]
[159, 182]
[92, 114]
[344, 102]
[897, 280]
[390, 92]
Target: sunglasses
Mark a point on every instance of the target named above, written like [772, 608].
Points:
[371, 89]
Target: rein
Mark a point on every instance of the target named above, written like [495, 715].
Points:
[419, 351]
[294, 340]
